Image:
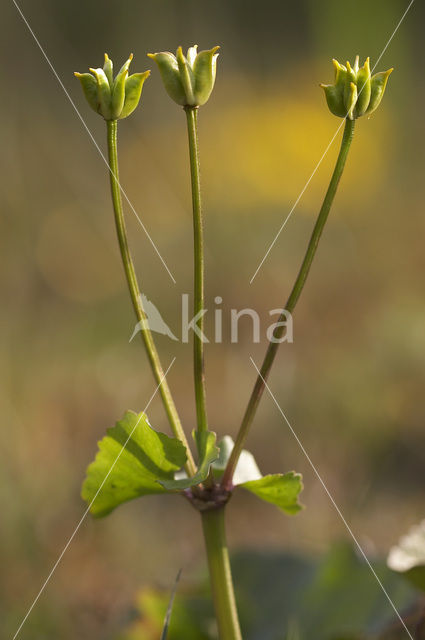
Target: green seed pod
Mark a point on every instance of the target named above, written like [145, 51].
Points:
[188, 80]
[363, 88]
[112, 99]
[204, 70]
[351, 99]
[350, 89]
[335, 92]
[170, 74]
[133, 90]
[108, 68]
[103, 93]
[354, 92]
[118, 89]
[186, 76]
[378, 84]
[89, 85]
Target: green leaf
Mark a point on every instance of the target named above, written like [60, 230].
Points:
[208, 453]
[281, 489]
[132, 460]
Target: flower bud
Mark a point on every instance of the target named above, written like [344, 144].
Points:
[112, 98]
[355, 92]
[188, 80]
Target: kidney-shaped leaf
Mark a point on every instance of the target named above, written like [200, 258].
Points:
[281, 489]
[132, 460]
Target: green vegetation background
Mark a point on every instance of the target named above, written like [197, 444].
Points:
[351, 384]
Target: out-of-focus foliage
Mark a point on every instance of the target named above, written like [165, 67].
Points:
[283, 596]
[190, 618]
[408, 557]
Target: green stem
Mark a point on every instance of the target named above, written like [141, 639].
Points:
[290, 305]
[220, 574]
[136, 299]
[198, 344]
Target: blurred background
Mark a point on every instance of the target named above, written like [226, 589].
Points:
[352, 382]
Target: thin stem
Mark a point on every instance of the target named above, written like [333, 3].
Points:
[136, 299]
[290, 305]
[198, 344]
[220, 574]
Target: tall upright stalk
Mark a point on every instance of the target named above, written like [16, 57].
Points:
[198, 242]
[213, 525]
[136, 299]
[213, 520]
[189, 81]
[290, 305]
